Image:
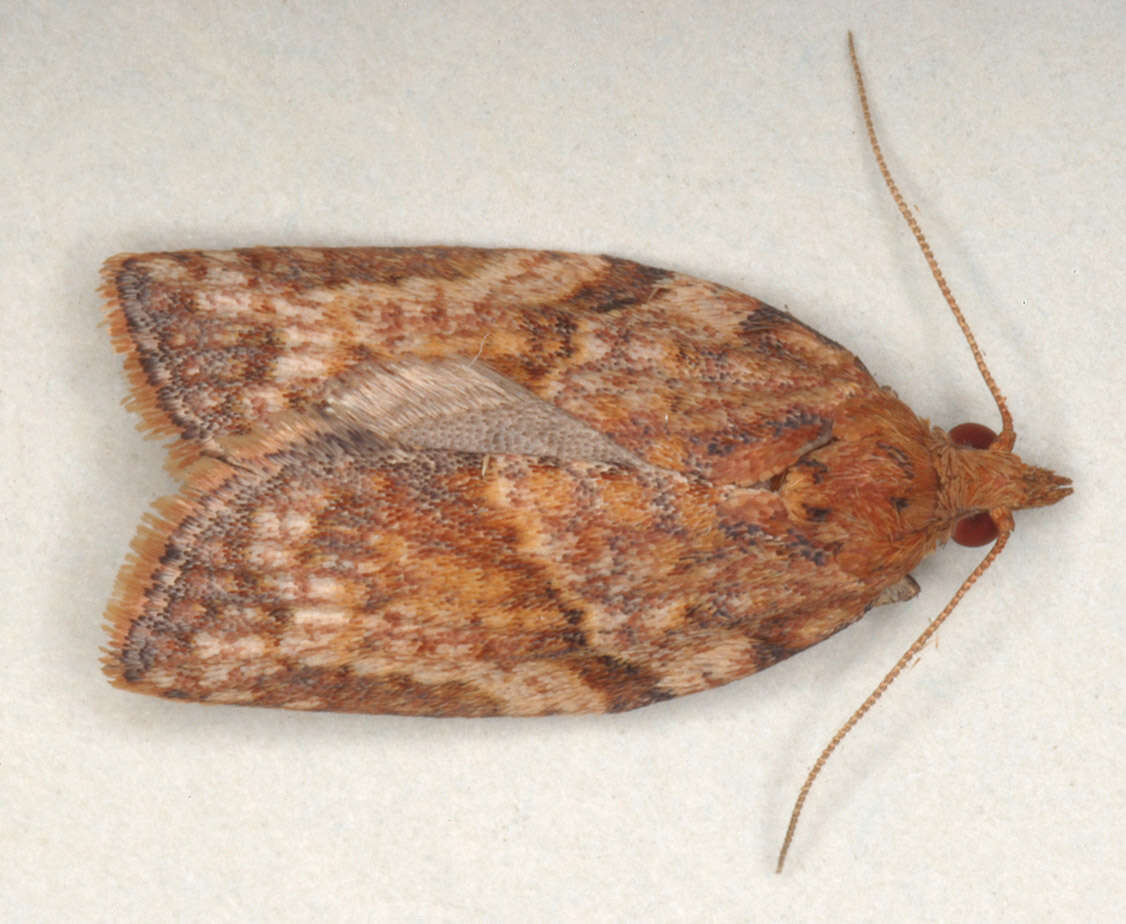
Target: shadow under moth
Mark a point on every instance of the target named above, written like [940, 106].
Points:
[451, 481]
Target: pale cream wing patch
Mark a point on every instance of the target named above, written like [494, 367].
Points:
[452, 404]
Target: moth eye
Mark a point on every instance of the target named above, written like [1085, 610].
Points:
[978, 528]
[973, 436]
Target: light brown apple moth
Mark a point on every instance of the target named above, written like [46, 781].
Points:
[458, 482]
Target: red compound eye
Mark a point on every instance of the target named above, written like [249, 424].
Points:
[976, 529]
[973, 436]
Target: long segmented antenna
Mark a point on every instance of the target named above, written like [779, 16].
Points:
[1002, 518]
[1007, 436]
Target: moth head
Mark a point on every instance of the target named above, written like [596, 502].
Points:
[988, 481]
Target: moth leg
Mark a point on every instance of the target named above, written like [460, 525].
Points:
[903, 589]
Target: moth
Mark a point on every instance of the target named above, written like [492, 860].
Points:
[448, 481]
[451, 481]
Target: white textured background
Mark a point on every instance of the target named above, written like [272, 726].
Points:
[719, 139]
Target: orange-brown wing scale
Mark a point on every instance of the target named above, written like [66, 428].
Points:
[350, 576]
[688, 375]
[743, 488]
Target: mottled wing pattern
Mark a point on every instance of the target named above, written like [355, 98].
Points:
[450, 481]
[344, 574]
[682, 373]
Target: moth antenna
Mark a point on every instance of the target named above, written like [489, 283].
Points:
[1005, 440]
[1004, 520]
[1007, 437]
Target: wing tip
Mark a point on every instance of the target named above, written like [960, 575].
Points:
[123, 306]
